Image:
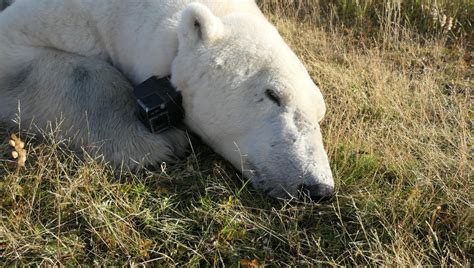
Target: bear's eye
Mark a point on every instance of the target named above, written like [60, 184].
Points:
[273, 96]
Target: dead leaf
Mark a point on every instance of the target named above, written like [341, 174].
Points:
[249, 263]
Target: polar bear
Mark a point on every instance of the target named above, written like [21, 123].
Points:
[244, 91]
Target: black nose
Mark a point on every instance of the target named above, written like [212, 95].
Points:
[316, 192]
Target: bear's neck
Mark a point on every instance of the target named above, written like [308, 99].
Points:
[154, 45]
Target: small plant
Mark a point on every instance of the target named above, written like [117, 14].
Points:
[19, 153]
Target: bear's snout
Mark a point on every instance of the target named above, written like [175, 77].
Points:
[316, 192]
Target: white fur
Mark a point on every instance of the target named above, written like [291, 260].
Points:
[222, 55]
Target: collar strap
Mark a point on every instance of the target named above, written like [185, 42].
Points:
[159, 104]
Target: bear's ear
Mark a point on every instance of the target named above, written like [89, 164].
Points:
[199, 24]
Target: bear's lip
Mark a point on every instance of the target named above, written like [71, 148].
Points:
[252, 173]
[276, 191]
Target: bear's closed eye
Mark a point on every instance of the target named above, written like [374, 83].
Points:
[273, 96]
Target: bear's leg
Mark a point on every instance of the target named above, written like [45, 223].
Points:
[94, 104]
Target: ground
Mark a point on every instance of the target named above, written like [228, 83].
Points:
[398, 133]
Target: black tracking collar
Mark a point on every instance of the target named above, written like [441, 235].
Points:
[159, 104]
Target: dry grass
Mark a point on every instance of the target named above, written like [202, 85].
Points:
[398, 133]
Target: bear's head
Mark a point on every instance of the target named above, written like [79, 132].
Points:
[249, 97]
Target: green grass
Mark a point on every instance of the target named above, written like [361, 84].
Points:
[398, 134]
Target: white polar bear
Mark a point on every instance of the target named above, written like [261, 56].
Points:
[245, 93]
